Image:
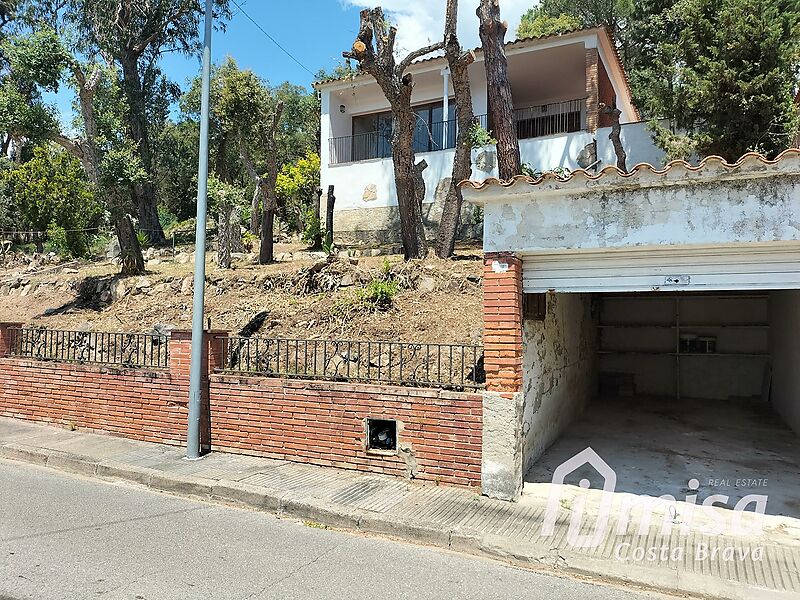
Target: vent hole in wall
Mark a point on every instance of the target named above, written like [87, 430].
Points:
[382, 435]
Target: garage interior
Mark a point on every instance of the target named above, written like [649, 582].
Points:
[667, 387]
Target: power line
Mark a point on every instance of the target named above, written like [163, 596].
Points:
[274, 41]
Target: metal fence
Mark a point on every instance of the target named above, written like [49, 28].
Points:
[121, 349]
[452, 366]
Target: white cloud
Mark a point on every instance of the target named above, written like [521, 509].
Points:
[421, 22]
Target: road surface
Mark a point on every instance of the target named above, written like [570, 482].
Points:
[65, 537]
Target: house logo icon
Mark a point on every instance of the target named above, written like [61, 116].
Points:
[574, 535]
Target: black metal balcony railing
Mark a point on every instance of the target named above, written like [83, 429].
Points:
[546, 119]
[149, 350]
[451, 366]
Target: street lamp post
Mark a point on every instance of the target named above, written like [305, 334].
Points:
[196, 374]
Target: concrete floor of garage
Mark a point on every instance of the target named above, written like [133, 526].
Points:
[657, 445]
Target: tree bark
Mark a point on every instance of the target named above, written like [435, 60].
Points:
[223, 236]
[329, 206]
[501, 104]
[459, 62]
[267, 185]
[130, 250]
[615, 136]
[147, 209]
[374, 49]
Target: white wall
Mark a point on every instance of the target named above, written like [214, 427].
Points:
[559, 370]
[702, 377]
[785, 344]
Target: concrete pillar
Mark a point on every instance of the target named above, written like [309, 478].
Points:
[592, 90]
[503, 401]
[6, 337]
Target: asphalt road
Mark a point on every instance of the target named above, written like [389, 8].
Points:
[64, 537]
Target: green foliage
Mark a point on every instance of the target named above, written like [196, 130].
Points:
[535, 25]
[143, 239]
[480, 137]
[379, 294]
[580, 13]
[37, 59]
[343, 70]
[51, 189]
[328, 246]
[221, 195]
[313, 234]
[531, 171]
[732, 84]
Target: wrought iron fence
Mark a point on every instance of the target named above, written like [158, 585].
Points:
[149, 350]
[452, 366]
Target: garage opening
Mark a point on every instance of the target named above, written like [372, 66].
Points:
[667, 388]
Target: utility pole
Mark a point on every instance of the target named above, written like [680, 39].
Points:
[198, 304]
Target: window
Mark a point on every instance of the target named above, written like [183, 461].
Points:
[382, 435]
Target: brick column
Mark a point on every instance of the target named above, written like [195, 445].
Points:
[592, 90]
[502, 322]
[503, 401]
[180, 362]
[5, 337]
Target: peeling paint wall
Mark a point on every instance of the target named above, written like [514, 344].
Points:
[785, 347]
[559, 370]
[711, 212]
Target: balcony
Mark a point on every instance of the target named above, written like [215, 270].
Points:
[532, 122]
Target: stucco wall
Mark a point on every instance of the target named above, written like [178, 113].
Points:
[559, 370]
[725, 212]
[785, 346]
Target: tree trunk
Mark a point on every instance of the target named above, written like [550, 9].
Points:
[459, 62]
[255, 213]
[501, 104]
[374, 50]
[408, 182]
[147, 209]
[615, 136]
[329, 206]
[130, 251]
[235, 228]
[266, 253]
[224, 237]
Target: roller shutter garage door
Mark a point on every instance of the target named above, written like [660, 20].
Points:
[665, 268]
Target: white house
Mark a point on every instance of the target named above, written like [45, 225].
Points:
[558, 84]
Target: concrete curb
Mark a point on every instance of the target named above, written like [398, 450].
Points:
[289, 505]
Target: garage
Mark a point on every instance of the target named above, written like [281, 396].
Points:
[660, 313]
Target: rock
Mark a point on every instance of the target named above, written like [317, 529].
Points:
[118, 290]
[113, 249]
[5, 290]
[474, 279]
[149, 254]
[106, 296]
[183, 258]
[284, 257]
[162, 329]
[370, 193]
[486, 161]
[26, 290]
[347, 280]
[143, 283]
[426, 284]
[160, 288]
[375, 252]
[71, 271]
[187, 285]
[588, 156]
[153, 262]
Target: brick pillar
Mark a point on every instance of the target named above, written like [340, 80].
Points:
[503, 401]
[180, 362]
[592, 90]
[5, 337]
[502, 322]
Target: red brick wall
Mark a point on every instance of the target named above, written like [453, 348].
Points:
[323, 423]
[315, 422]
[592, 91]
[141, 405]
[606, 94]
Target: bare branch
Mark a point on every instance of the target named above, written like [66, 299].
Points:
[404, 64]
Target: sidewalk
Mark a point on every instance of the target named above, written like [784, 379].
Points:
[439, 516]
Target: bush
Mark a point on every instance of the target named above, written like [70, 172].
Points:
[379, 294]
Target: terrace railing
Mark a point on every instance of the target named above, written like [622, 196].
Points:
[143, 350]
[451, 366]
